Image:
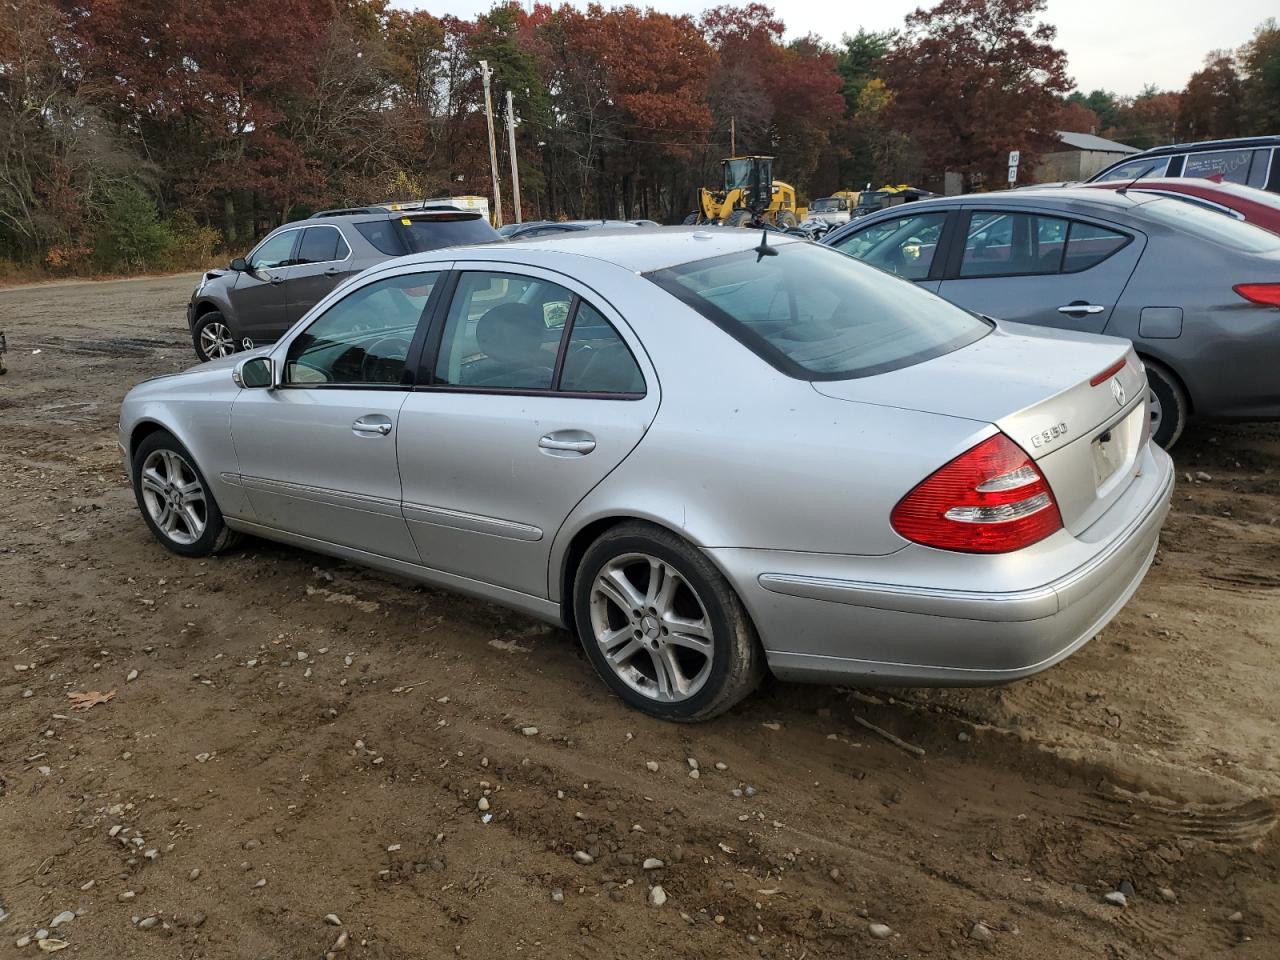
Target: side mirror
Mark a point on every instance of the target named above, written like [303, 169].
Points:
[254, 373]
[239, 265]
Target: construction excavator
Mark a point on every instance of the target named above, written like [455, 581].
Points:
[750, 196]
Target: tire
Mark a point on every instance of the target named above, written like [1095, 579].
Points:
[710, 675]
[162, 469]
[691, 220]
[212, 337]
[739, 218]
[1169, 407]
[786, 219]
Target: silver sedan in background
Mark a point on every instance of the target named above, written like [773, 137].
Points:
[709, 454]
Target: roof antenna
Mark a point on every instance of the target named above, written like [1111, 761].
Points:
[764, 250]
[1141, 173]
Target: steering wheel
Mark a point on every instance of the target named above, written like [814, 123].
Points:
[374, 365]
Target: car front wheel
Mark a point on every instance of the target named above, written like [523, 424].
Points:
[663, 627]
[213, 337]
[175, 500]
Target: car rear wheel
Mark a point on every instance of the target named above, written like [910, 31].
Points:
[1168, 405]
[213, 337]
[662, 626]
[175, 500]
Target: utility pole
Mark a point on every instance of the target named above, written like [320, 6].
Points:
[515, 164]
[733, 136]
[493, 145]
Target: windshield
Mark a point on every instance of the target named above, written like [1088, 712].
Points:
[1134, 170]
[816, 314]
[872, 198]
[1210, 225]
[825, 205]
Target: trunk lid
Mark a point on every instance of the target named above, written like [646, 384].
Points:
[1037, 387]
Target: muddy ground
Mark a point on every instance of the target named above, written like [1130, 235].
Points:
[304, 738]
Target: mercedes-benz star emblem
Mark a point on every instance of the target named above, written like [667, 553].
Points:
[1117, 391]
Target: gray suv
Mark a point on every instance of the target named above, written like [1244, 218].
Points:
[260, 296]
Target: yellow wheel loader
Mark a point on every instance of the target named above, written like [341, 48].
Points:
[750, 196]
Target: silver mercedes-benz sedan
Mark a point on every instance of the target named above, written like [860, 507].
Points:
[708, 454]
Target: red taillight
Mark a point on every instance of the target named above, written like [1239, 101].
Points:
[991, 499]
[1108, 373]
[1267, 294]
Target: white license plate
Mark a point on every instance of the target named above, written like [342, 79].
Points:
[1111, 449]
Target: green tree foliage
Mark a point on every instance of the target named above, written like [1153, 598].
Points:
[129, 234]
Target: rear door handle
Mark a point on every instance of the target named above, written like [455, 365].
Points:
[372, 425]
[275, 278]
[1080, 308]
[332, 272]
[568, 443]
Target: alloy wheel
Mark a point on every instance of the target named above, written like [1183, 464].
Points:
[174, 497]
[216, 340]
[1156, 411]
[652, 628]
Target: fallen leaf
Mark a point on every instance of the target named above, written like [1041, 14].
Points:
[83, 701]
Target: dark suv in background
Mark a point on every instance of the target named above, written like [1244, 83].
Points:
[260, 296]
[1248, 161]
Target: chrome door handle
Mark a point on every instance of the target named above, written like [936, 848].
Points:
[372, 426]
[568, 441]
[332, 272]
[275, 278]
[1081, 309]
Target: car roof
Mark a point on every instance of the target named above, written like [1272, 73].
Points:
[1090, 196]
[638, 249]
[1203, 146]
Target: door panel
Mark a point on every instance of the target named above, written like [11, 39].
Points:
[1009, 265]
[485, 493]
[308, 470]
[496, 452]
[259, 292]
[317, 453]
[323, 261]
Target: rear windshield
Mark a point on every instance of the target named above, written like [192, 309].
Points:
[419, 234]
[1210, 225]
[816, 314]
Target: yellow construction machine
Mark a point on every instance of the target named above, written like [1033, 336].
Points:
[750, 195]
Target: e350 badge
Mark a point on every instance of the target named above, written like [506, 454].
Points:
[1046, 437]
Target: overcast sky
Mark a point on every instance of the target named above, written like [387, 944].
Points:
[1120, 46]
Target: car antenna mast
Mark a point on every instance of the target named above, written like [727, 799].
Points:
[1141, 173]
[764, 250]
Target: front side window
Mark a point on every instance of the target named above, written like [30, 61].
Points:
[1231, 165]
[364, 338]
[902, 245]
[1135, 169]
[275, 251]
[816, 314]
[999, 244]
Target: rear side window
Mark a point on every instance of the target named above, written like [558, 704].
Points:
[321, 245]
[1231, 165]
[596, 360]
[816, 314]
[1012, 244]
[1088, 245]
[1207, 225]
[382, 236]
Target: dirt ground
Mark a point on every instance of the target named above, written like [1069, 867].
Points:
[293, 737]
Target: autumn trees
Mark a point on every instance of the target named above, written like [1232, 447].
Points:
[128, 126]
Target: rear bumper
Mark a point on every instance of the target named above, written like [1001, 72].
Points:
[830, 628]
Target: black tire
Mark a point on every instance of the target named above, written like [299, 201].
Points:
[737, 663]
[739, 218]
[215, 536]
[1169, 405]
[786, 219]
[691, 219]
[200, 339]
